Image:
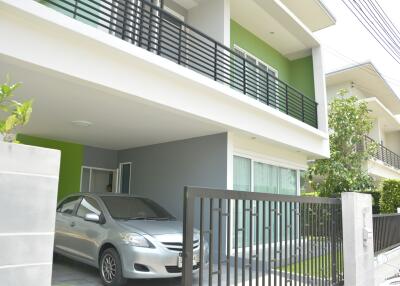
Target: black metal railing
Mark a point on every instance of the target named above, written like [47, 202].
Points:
[249, 238]
[150, 27]
[384, 154]
[386, 232]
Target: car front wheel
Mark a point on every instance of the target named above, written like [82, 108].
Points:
[111, 268]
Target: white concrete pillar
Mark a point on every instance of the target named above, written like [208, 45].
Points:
[358, 248]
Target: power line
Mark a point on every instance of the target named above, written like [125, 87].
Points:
[352, 61]
[390, 45]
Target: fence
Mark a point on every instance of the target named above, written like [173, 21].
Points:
[384, 154]
[150, 27]
[250, 238]
[386, 229]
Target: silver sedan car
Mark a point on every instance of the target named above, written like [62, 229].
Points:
[123, 236]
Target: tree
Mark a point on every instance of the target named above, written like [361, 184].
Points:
[349, 123]
[15, 114]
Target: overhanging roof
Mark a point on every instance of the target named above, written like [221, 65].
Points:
[368, 79]
[313, 13]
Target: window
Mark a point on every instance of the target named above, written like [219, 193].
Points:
[251, 175]
[88, 206]
[259, 85]
[68, 205]
[266, 178]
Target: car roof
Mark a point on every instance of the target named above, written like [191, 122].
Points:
[99, 194]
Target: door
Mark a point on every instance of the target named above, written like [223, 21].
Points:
[88, 234]
[65, 220]
[125, 177]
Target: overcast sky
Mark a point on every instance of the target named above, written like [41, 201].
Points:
[348, 42]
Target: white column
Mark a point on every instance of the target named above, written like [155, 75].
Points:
[320, 88]
[358, 248]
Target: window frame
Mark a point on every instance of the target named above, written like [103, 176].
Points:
[75, 207]
[265, 159]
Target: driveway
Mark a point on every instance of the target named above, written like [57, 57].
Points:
[70, 273]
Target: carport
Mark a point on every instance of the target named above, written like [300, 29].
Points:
[109, 138]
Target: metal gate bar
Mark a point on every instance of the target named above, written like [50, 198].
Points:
[250, 238]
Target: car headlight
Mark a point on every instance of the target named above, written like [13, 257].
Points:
[135, 239]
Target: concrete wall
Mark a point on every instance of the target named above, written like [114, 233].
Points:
[161, 171]
[212, 17]
[100, 158]
[358, 247]
[28, 197]
[393, 141]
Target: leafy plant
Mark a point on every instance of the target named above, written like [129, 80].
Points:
[15, 113]
[390, 196]
[349, 122]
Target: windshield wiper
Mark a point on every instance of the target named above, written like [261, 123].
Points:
[159, 218]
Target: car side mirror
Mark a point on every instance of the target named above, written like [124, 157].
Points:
[92, 217]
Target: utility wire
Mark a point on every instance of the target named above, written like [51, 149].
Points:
[352, 61]
[358, 12]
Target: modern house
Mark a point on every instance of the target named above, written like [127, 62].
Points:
[145, 97]
[366, 83]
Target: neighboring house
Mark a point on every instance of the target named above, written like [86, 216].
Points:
[138, 102]
[366, 83]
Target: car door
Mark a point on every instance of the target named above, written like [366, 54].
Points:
[89, 234]
[65, 218]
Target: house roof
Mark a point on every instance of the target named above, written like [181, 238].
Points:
[366, 77]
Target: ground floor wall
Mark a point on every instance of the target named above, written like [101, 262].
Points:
[161, 171]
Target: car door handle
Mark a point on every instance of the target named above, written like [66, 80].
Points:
[72, 224]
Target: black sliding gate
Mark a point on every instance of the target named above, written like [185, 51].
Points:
[248, 238]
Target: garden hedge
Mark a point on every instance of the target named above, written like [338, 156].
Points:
[390, 197]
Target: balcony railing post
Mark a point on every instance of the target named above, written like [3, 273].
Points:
[159, 36]
[75, 9]
[286, 99]
[124, 21]
[179, 45]
[215, 61]
[244, 75]
[267, 88]
[302, 107]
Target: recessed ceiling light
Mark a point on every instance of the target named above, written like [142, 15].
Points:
[272, 32]
[253, 138]
[82, 123]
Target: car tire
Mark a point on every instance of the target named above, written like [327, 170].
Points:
[111, 268]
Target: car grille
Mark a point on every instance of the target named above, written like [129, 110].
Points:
[178, 246]
[176, 269]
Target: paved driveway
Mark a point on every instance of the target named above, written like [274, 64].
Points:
[70, 273]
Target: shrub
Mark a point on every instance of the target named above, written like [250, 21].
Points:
[376, 201]
[390, 197]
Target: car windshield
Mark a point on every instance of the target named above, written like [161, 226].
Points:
[130, 208]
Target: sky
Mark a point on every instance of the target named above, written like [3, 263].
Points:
[348, 42]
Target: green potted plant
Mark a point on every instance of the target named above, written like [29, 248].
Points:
[16, 113]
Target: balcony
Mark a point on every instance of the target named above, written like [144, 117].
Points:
[383, 154]
[151, 28]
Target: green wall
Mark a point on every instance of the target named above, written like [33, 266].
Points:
[297, 73]
[71, 162]
[302, 76]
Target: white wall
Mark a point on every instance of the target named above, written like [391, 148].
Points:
[320, 88]
[28, 198]
[393, 141]
[134, 72]
[212, 17]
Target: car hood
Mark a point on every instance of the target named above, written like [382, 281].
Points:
[153, 227]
